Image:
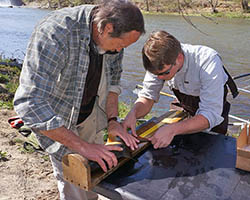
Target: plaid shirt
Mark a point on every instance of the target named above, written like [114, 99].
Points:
[54, 73]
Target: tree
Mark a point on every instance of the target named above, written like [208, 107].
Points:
[214, 4]
[147, 5]
[244, 5]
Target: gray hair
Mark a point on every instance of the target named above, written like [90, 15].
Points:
[122, 14]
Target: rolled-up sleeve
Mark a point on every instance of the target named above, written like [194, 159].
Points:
[115, 67]
[43, 63]
[213, 80]
[151, 87]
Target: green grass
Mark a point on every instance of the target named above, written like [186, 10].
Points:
[229, 15]
[9, 80]
[3, 156]
[6, 104]
[12, 87]
[4, 78]
[28, 150]
[124, 108]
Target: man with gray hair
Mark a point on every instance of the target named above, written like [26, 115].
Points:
[70, 82]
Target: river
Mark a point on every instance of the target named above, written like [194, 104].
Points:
[230, 37]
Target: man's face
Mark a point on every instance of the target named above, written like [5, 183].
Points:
[167, 72]
[108, 43]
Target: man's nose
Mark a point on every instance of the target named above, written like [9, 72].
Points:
[161, 77]
[118, 49]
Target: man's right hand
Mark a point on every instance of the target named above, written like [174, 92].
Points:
[100, 153]
[95, 152]
[141, 108]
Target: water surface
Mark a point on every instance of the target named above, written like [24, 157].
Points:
[230, 37]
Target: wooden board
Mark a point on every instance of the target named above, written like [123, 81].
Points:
[76, 169]
[243, 149]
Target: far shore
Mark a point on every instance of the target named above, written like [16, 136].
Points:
[223, 11]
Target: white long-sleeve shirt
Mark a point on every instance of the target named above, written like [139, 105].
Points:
[202, 75]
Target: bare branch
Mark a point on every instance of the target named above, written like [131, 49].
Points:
[187, 19]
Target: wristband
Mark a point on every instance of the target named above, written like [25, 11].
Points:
[117, 119]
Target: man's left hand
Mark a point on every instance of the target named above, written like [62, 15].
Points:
[162, 137]
[116, 129]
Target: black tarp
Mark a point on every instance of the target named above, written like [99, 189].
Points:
[193, 167]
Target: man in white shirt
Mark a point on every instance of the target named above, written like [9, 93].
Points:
[198, 79]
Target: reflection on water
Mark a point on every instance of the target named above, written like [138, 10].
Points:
[230, 37]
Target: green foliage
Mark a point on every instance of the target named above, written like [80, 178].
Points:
[3, 156]
[12, 86]
[57, 4]
[4, 78]
[123, 109]
[9, 80]
[28, 149]
[45, 157]
[18, 141]
[228, 15]
[6, 104]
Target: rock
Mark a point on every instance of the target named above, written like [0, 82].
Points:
[3, 88]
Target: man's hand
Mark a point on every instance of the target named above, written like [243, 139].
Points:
[130, 122]
[163, 137]
[94, 152]
[141, 108]
[100, 153]
[116, 129]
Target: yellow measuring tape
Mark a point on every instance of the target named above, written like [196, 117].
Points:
[155, 127]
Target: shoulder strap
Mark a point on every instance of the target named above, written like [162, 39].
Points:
[231, 84]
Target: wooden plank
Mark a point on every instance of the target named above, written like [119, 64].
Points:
[77, 170]
[74, 172]
[243, 150]
[243, 163]
[242, 139]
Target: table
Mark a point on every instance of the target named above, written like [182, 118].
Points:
[197, 166]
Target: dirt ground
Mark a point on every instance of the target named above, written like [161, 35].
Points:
[24, 176]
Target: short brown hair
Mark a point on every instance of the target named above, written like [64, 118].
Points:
[160, 49]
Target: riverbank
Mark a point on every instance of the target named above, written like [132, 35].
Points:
[227, 8]
[25, 174]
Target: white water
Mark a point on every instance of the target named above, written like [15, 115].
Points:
[10, 3]
[5, 3]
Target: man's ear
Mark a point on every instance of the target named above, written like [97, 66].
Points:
[180, 58]
[179, 61]
[108, 28]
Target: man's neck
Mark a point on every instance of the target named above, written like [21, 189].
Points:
[181, 61]
[95, 33]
